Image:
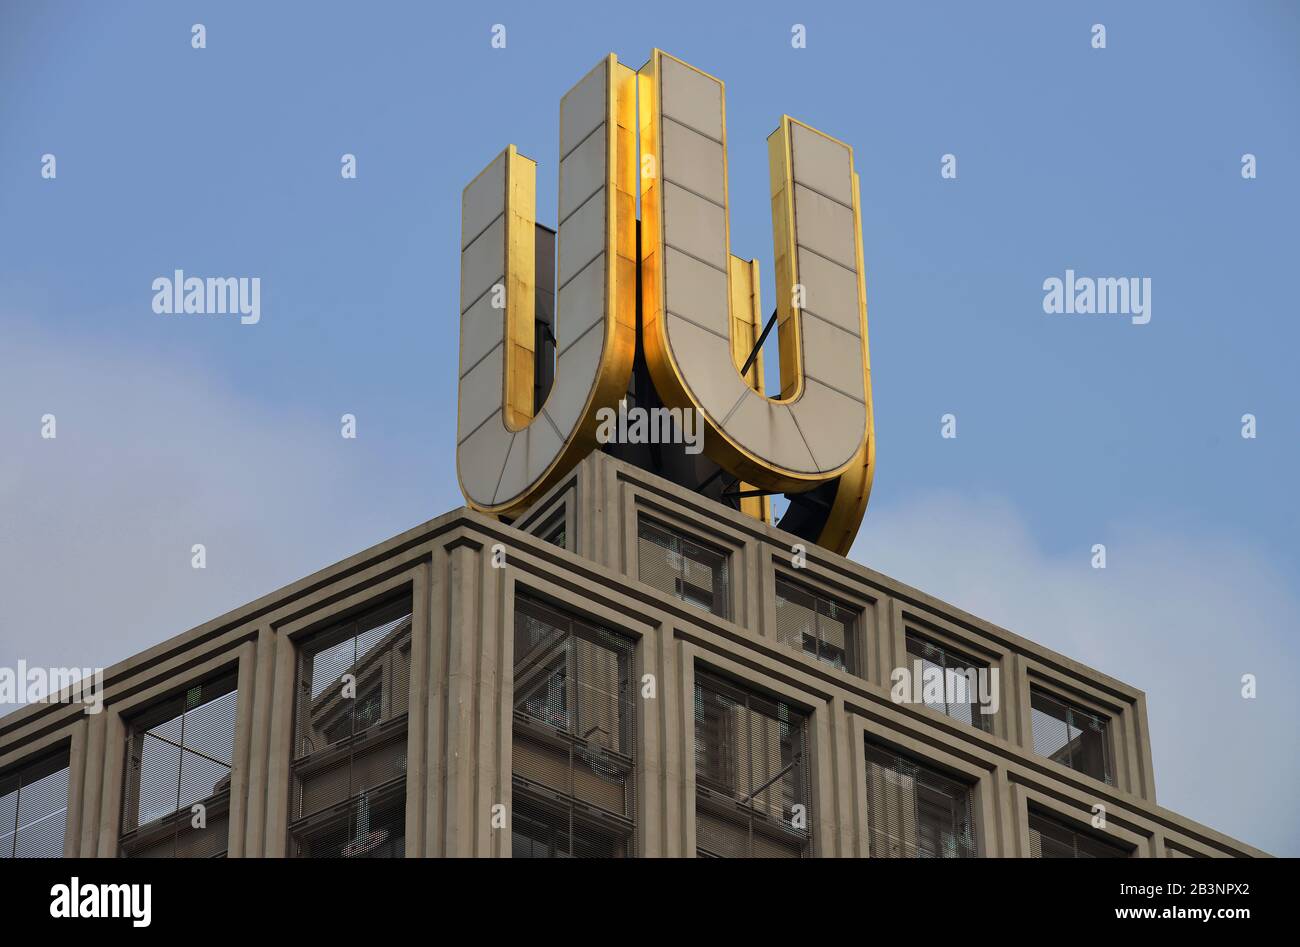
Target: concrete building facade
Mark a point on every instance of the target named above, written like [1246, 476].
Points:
[630, 669]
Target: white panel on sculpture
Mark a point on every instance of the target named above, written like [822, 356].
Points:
[826, 226]
[544, 445]
[483, 263]
[581, 304]
[582, 174]
[768, 430]
[822, 164]
[582, 237]
[481, 392]
[500, 469]
[830, 291]
[695, 225]
[832, 356]
[483, 201]
[832, 445]
[479, 459]
[691, 97]
[574, 371]
[514, 473]
[582, 109]
[694, 161]
[705, 359]
[482, 327]
[696, 291]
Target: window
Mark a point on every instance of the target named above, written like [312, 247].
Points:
[178, 756]
[751, 774]
[34, 809]
[688, 570]
[554, 530]
[574, 737]
[1049, 838]
[816, 625]
[914, 811]
[960, 697]
[349, 766]
[1070, 735]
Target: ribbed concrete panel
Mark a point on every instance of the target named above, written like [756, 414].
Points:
[696, 291]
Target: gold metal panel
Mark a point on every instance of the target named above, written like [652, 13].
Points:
[828, 221]
[607, 367]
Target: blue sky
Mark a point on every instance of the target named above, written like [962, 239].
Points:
[1072, 430]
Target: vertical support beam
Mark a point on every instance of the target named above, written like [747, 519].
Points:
[259, 743]
[239, 784]
[417, 716]
[110, 806]
[280, 750]
[94, 783]
[435, 737]
[845, 779]
[76, 787]
[490, 673]
[464, 577]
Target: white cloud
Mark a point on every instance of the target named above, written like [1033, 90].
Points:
[151, 457]
[1180, 617]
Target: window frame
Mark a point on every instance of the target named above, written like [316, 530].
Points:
[1071, 706]
[391, 605]
[44, 763]
[854, 646]
[724, 598]
[547, 736]
[133, 836]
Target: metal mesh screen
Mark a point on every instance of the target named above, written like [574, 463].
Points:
[179, 754]
[1049, 838]
[959, 673]
[349, 768]
[1070, 735]
[914, 811]
[694, 573]
[751, 774]
[816, 625]
[574, 737]
[34, 809]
